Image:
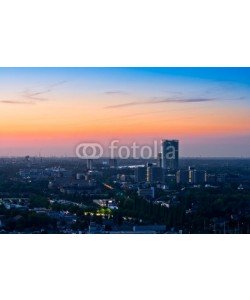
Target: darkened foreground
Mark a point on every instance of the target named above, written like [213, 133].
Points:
[45, 195]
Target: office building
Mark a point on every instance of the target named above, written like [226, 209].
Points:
[154, 174]
[170, 154]
[141, 174]
[182, 176]
[159, 160]
[191, 176]
[196, 176]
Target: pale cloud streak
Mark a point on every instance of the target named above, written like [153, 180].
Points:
[156, 100]
[35, 94]
[15, 102]
[116, 92]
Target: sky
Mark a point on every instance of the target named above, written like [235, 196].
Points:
[49, 111]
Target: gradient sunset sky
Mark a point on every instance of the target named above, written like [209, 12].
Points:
[50, 110]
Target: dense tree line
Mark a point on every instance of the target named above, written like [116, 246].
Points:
[197, 210]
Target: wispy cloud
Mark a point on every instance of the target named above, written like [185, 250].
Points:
[36, 94]
[187, 100]
[32, 96]
[123, 105]
[157, 100]
[116, 92]
[15, 102]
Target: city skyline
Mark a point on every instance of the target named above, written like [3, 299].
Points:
[48, 111]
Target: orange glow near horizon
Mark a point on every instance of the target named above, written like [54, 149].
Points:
[61, 113]
[76, 119]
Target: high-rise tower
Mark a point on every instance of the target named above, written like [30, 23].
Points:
[170, 154]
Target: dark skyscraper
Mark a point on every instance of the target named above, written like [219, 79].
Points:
[170, 154]
[154, 174]
[141, 174]
[159, 160]
[182, 176]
